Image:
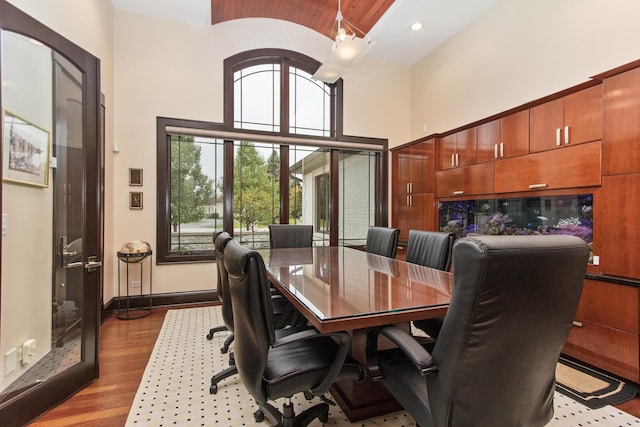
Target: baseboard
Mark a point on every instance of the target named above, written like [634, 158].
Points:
[158, 300]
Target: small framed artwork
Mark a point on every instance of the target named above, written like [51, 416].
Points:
[135, 200]
[25, 152]
[135, 176]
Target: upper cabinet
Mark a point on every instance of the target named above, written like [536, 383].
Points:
[574, 119]
[503, 138]
[458, 149]
[622, 124]
[413, 168]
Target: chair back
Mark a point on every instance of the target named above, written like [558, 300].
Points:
[382, 241]
[430, 248]
[220, 240]
[514, 299]
[290, 236]
[252, 314]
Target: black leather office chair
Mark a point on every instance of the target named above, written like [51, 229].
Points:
[283, 312]
[382, 241]
[514, 299]
[430, 249]
[290, 236]
[272, 368]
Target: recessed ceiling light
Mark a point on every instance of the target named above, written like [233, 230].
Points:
[416, 26]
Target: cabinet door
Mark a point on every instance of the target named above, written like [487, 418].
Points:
[583, 115]
[607, 313]
[577, 166]
[487, 139]
[413, 212]
[466, 147]
[617, 227]
[401, 215]
[423, 212]
[544, 121]
[423, 167]
[447, 151]
[514, 135]
[469, 180]
[621, 117]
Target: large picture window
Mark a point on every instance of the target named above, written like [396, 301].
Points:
[279, 157]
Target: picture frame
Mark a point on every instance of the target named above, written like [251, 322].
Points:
[25, 151]
[135, 200]
[135, 177]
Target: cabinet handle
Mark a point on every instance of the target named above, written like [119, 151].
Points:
[411, 187]
[408, 191]
[537, 185]
[495, 151]
[457, 160]
[453, 162]
[458, 193]
[410, 201]
[566, 135]
[558, 137]
[576, 323]
[502, 150]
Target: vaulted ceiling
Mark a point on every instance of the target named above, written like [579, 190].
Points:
[319, 15]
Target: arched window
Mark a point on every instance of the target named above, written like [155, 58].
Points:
[278, 157]
[272, 90]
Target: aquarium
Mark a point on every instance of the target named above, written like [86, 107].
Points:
[571, 214]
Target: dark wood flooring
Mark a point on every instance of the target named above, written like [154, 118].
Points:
[125, 348]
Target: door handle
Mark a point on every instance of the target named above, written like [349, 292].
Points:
[92, 264]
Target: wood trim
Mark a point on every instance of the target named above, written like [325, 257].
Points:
[160, 300]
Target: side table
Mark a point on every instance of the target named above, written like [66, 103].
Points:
[142, 308]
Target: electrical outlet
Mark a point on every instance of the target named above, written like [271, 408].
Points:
[136, 283]
[10, 361]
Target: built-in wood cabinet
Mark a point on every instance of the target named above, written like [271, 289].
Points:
[576, 166]
[586, 137]
[606, 329]
[621, 144]
[573, 119]
[503, 138]
[412, 203]
[457, 149]
[465, 181]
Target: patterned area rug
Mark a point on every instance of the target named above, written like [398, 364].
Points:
[590, 387]
[175, 386]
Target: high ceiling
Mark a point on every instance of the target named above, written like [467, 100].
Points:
[386, 21]
[319, 15]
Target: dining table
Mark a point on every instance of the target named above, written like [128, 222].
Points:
[338, 288]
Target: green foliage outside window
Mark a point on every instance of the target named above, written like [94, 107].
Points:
[191, 188]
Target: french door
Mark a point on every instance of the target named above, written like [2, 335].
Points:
[51, 247]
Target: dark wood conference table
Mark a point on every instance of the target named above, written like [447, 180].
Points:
[344, 289]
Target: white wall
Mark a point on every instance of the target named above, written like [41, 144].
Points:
[519, 51]
[27, 246]
[164, 68]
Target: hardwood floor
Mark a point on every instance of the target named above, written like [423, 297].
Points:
[125, 347]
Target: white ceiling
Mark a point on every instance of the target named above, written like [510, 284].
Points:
[395, 42]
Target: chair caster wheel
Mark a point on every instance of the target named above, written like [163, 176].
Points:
[209, 336]
[223, 350]
[323, 418]
[213, 389]
[258, 416]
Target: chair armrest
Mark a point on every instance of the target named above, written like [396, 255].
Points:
[414, 351]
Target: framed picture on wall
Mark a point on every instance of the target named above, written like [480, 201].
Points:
[135, 176]
[135, 200]
[25, 151]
